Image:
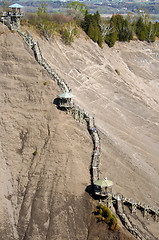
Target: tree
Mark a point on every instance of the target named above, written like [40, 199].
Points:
[141, 30]
[122, 27]
[112, 37]
[130, 17]
[42, 9]
[68, 32]
[151, 32]
[105, 28]
[142, 12]
[125, 33]
[88, 19]
[117, 20]
[45, 24]
[91, 26]
[100, 39]
[48, 29]
[77, 10]
[91, 31]
[96, 33]
[97, 18]
[156, 29]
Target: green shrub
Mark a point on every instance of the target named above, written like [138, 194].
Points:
[99, 217]
[117, 71]
[111, 38]
[35, 153]
[68, 32]
[112, 222]
[106, 212]
[102, 219]
[105, 215]
[114, 227]
[100, 211]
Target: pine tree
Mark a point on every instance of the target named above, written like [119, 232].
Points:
[141, 30]
[156, 29]
[125, 33]
[91, 31]
[97, 18]
[96, 32]
[91, 26]
[111, 38]
[100, 40]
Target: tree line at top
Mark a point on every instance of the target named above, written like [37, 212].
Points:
[117, 28]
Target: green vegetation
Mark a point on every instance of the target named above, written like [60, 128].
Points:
[49, 25]
[146, 30]
[68, 32]
[91, 25]
[77, 10]
[122, 27]
[156, 29]
[35, 153]
[117, 71]
[104, 214]
[117, 28]
[42, 9]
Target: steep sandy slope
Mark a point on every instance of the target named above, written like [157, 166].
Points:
[42, 196]
[126, 109]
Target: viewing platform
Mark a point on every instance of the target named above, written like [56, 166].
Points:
[103, 187]
[12, 18]
[65, 100]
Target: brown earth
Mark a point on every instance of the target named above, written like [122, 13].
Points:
[43, 196]
[126, 106]
[126, 109]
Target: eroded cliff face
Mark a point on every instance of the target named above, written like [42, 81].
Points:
[126, 106]
[43, 195]
[120, 86]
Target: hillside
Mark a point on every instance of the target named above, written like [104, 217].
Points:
[43, 196]
[125, 106]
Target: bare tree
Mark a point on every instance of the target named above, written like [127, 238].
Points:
[48, 29]
[106, 28]
[68, 32]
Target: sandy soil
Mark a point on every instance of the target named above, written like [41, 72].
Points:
[43, 196]
[126, 108]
